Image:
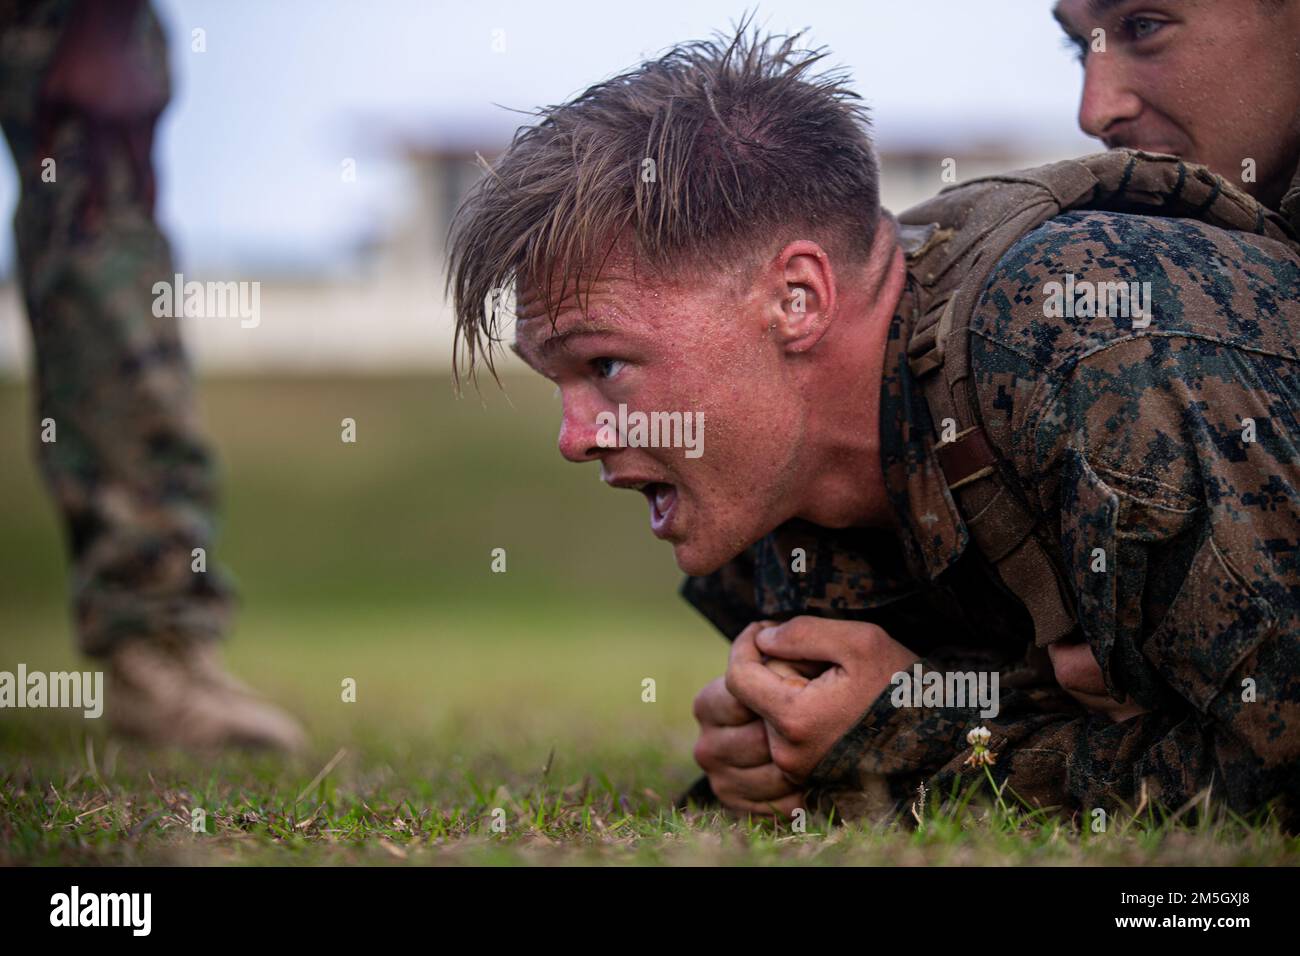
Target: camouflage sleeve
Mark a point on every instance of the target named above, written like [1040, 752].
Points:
[1051, 752]
[725, 597]
[1168, 454]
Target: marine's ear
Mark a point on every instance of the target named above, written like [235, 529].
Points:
[801, 304]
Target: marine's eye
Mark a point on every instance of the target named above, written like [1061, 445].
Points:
[1141, 28]
[607, 367]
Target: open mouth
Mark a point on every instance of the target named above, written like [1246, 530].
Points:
[661, 495]
[663, 504]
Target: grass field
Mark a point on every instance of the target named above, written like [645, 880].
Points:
[476, 692]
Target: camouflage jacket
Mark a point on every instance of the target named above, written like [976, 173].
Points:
[1174, 449]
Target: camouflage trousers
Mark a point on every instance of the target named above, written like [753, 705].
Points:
[117, 432]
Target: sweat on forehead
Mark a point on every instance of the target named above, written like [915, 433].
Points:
[539, 337]
[621, 280]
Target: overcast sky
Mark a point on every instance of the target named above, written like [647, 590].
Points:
[251, 146]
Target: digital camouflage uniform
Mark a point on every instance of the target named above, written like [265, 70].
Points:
[129, 470]
[1127, 440]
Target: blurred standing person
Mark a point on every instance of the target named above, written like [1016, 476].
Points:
[82, 85]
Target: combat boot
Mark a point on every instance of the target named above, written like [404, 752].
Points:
[177, 693]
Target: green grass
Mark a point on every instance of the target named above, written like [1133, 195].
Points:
[475, 691]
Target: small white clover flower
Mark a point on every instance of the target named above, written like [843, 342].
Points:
[979, 738]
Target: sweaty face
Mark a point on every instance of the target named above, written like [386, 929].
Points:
[1216, 82]
[672, 347]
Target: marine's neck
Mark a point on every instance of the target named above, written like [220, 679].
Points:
[846, 478]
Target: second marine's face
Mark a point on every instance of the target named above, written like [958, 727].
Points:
[1216, 82]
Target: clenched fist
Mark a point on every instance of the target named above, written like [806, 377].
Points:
[806, 717]
[732, 749]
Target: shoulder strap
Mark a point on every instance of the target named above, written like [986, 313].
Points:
[953, 242]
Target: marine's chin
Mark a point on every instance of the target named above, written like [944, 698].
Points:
[690, 562]
[698, 555]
